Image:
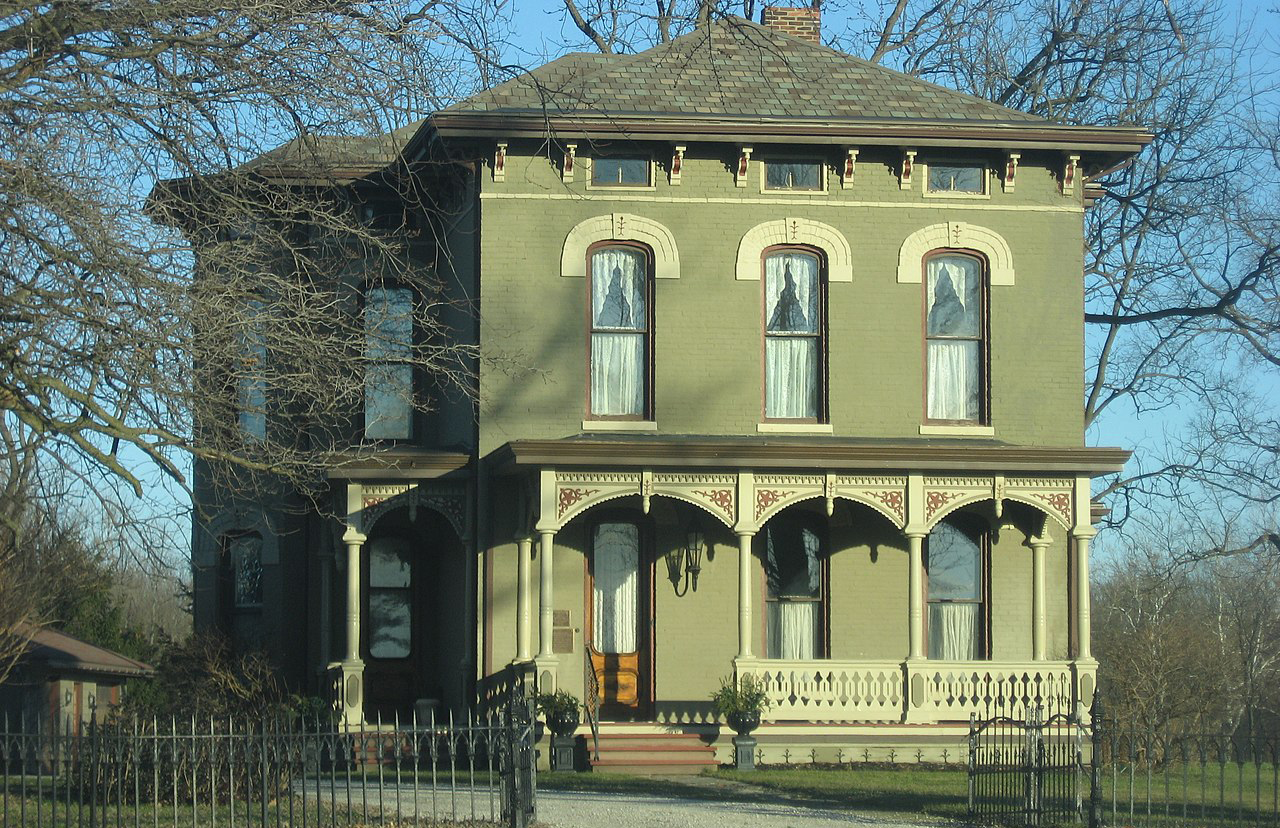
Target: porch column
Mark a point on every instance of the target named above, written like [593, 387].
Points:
[915, 598]
[1039, 612]
[546, 599]
[354, 541]
[1082, 537]
[744, 594]
[524, 611]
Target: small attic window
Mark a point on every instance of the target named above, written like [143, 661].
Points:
[960, 179]
[620, 171]
[793, 175]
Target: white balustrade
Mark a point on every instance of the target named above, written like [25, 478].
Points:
[830, 691]
[951, 690]
[917, 692]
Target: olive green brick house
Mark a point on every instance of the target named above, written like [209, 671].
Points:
[782, 357]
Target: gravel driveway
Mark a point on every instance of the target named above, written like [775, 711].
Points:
[578, 809]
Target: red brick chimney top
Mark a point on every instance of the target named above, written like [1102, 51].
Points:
[804, 23]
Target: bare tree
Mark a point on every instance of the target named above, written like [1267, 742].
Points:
[271, 120]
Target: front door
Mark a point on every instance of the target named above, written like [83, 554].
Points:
[620, 611]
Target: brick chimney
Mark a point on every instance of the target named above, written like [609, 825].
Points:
[804, 23]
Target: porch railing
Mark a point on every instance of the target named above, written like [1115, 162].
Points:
[916, 692]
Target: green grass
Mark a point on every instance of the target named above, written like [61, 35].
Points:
[1212, 794]
[930, 792]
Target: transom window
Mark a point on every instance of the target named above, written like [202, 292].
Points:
[390, 598]
[793, 343]
[793, 175]
[794, 570]
[955, 338]
[388, 379]
[619, 171]
[621, 340]
[969, 179]
[956, 565]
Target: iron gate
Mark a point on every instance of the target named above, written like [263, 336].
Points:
[1034, 770]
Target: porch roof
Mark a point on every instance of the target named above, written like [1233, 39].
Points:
[851, 453]
[400, 463]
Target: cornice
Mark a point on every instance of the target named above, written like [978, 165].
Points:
[813, 454]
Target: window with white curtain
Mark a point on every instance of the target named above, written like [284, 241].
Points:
[955, 565]
[388, 349]
[794, 570]
[620, 333]
[615, 589]
[794, 326]
[954, 338]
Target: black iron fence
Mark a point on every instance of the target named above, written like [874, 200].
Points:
[1052, 767]
[269, 772]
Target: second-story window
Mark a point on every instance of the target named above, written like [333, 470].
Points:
[793, 175]
[251, 381]
[793, 340]
[620, 172]
[621, 332]
[955, 338]
[388, 379]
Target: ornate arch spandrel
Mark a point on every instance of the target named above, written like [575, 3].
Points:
[447, 499]
[774, 492]
[944, 495]
[960, 235]
[576, 492]
[715, 494]
[620, 227]
[795, 231]
[1054, 497]
[886, 495]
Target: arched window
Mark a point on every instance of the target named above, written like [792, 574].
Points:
[794, 335]
[956, 565]
[955, 338]
[388, 378]
[795, 567]
[621, 332]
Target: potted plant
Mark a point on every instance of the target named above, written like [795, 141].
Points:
[560, 710]
[741, 703]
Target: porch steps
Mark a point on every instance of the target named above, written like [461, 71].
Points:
[651, 754]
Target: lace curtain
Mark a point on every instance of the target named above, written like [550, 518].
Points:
[619, 321]
[791, 353]
[953, 631]
[954, 300]
[793, 629]
[615, 594]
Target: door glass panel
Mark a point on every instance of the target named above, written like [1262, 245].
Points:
[389, 563]
[390, 630]
[615, 591]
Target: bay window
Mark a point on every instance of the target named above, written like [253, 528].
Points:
[955, 338]
[794, 307]
[621, 333]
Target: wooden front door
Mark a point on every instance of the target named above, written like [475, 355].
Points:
[620, 604]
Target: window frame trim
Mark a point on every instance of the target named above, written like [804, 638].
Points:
[824, 187]
[983, 339]
[984, 576]
[823, 336]
[648, 415]
[414, 342]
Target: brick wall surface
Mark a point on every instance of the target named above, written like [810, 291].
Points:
[804, 23]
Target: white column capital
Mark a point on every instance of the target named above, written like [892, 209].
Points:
[354, 536]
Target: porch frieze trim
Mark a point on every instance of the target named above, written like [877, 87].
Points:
[944, 495]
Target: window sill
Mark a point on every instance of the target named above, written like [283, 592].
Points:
[958, 430]
[619, 425]
[794, 428]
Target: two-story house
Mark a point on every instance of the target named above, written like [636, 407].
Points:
[782, 357]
